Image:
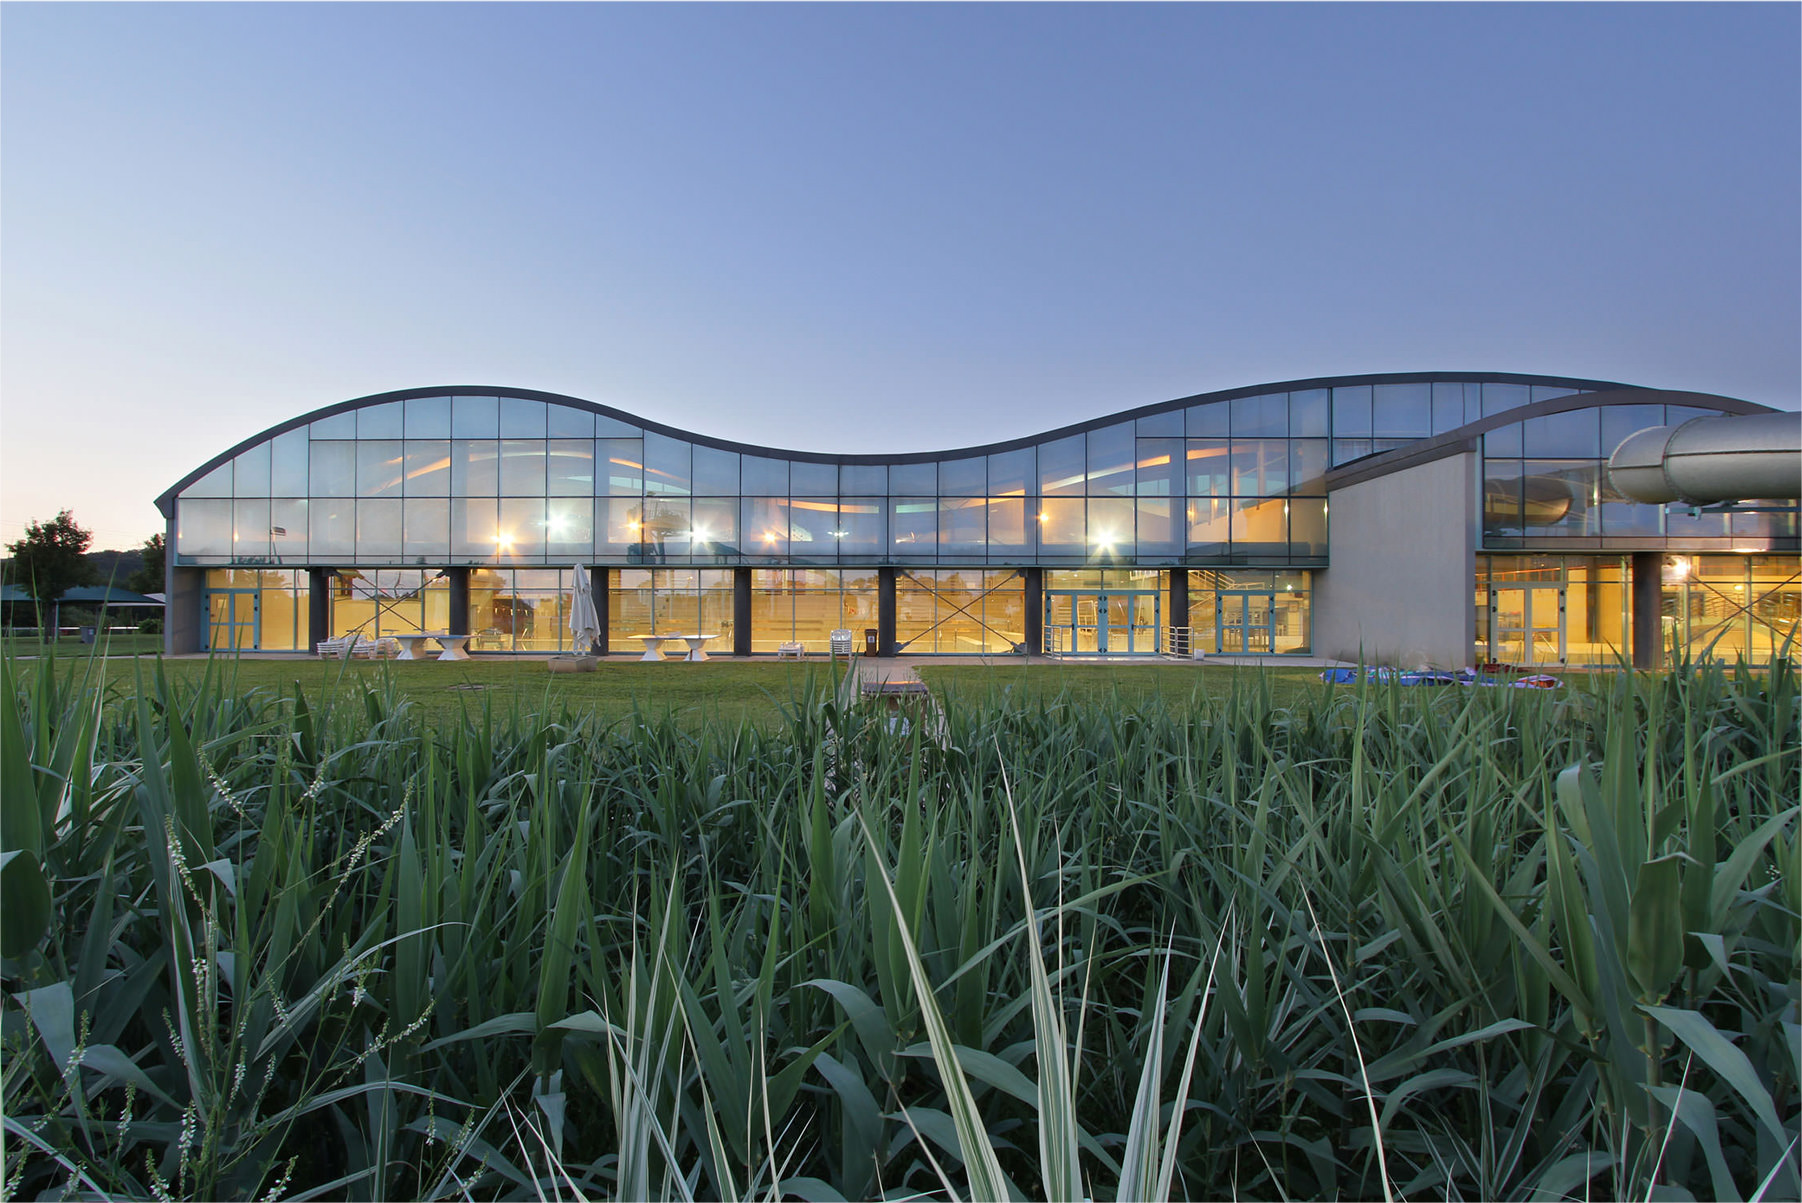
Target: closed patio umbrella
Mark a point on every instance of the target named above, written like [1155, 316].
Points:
[584, 620]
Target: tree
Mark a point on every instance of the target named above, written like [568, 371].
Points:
[149, 577]
[51, 559]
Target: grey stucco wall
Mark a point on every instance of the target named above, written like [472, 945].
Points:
[1404, 555]
[182, 618]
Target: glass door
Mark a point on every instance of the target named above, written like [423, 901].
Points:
[1246, 623]
[1526, 624]
[231, 619]
[1103, 623]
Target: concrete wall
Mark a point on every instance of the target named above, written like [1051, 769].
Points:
[182, 617]
[1402, 584]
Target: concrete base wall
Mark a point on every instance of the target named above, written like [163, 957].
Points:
[182, 617]
[1404, 558]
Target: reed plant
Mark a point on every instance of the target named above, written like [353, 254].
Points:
[1367, 942]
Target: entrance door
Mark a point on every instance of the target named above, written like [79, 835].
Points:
[1527, 624]
[1246, 623]
[1104, 623]
[231, 619]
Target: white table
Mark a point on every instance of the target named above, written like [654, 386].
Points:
[455, 646]
[697, 646]
[653, 647]
[411, 646]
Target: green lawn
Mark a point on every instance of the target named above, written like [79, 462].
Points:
[133, 644]
[1175, 685]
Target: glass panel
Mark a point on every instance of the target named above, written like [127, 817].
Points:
[606, 427]
[250, 528]
[1502, 441]
[1347, 450]
[288, 464]
[1061, 467]
[1563, 436]
[1210, 468]
[379, 529]
[963, 477]
[810, 527]
[250, 472]
[288, 529]
[1160, 467]
[920, 479]
[764, 477]
[716, 471]
[475, 468]
[426, 528]
[333, 529]
[1402, 411]
[1307, 527]
[1011, 473]
[1157, 535]
[1208, 421]
[622, 463]
[863, 478]
[1500, 397]
[427, 466]
[1167, 424]
[808, 479]
[1546, 392]
[1261, 417]
[217, 483]
[1557, 497]
[569, 468]
[1111, 526]
[522, 418]
[1260, 528]
[1307, 466]
[338, 426]
[1260, 467]
[522, 468]
[860, 519]
[1310, 413]
[619, 519]
[379, 421]
[913, 522]
[963, 526]
[715, 526]
[379, 468]
[1111, 461]
[665, 527]
[1619, 421]
[475, 417]
[568, 422]
[334, 469]
[765, 526]
[474, 525]
[522, 526]
[1209, 528]
[1351, 412]
[668, 464]
[569, 527]
[427, 417]
[1007, 525]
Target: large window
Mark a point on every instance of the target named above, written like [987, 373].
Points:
[685, 601]
[806, 605]
[1243, 612]
[959, 611]
[373, 602]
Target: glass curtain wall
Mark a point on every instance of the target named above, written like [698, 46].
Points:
[1550, 610]
[806, 605]
[959, 611]
[252, 608]
[374, 602]
[669, 601]
[1247, 612]
[1730, 607]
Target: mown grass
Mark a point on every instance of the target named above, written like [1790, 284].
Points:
[1379, 942]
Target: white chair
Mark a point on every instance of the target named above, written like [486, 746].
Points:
[796, 651]
[841, 642]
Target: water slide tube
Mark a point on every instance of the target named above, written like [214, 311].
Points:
[1708, 460]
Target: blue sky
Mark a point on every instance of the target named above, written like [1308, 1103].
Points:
[863, 227]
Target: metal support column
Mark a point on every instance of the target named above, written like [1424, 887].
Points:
[885, 610]
[600, 583]
[319, 607]
[1035, 610]
[1647, 608]
[459, 600]
[1179, 606]
[741, 612]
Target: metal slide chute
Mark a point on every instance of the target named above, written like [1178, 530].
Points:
[1708, 461]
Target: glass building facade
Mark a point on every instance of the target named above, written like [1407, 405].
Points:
[472, 509]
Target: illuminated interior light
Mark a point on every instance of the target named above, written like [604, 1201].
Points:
[1680, 566]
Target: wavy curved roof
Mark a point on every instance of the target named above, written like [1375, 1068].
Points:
[1618, 393]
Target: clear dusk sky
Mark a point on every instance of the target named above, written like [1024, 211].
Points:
[863, 227]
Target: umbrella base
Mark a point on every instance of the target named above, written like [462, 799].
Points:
[572, 664]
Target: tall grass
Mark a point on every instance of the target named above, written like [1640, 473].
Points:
[1381, 943]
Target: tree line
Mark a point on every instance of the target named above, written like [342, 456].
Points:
[52, 557]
